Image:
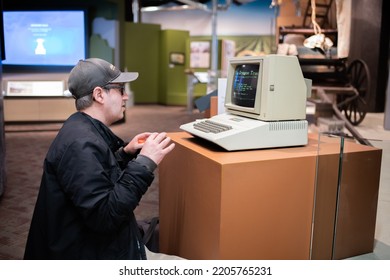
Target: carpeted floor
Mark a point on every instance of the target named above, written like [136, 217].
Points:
[26, 147]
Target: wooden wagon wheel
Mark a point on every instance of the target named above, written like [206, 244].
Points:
[355, 107]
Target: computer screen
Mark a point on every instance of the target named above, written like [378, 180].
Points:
[268, 88]
[245, 85]
[44, 38]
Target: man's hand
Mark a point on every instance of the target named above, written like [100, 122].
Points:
[136, 143]
[157, 146]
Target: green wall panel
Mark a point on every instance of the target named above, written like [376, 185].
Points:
[140, 53]
[173, 80]
[101, 48]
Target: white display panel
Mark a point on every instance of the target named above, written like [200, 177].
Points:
[35, 88]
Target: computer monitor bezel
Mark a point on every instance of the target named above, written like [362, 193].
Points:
[233, 63]
[281, 91]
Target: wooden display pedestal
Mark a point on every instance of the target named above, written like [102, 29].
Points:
[284, 203]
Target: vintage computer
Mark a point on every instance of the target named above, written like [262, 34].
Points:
[265, 106]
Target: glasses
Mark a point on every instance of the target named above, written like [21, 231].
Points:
[121, 88]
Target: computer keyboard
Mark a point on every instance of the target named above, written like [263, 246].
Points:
[211, 126]
[233, 132]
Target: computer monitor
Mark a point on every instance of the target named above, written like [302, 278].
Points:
[267, 88]
[265, 103]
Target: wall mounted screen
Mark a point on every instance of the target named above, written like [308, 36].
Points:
[44, 38]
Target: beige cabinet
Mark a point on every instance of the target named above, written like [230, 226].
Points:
[43, 101]
[38, 108]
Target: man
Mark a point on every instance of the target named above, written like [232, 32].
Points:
[92, 181]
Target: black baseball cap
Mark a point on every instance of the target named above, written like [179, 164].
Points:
[95, 72]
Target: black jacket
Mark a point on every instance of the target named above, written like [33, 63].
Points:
[88, 192]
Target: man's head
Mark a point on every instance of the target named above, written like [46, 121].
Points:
[99, 89]
[95, 72]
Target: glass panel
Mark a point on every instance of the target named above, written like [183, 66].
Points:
[325, 198]
[352, 199]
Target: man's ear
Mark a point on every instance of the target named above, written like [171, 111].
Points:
[98, 94]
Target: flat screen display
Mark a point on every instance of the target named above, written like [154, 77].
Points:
[245, 85]
[44, 38]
